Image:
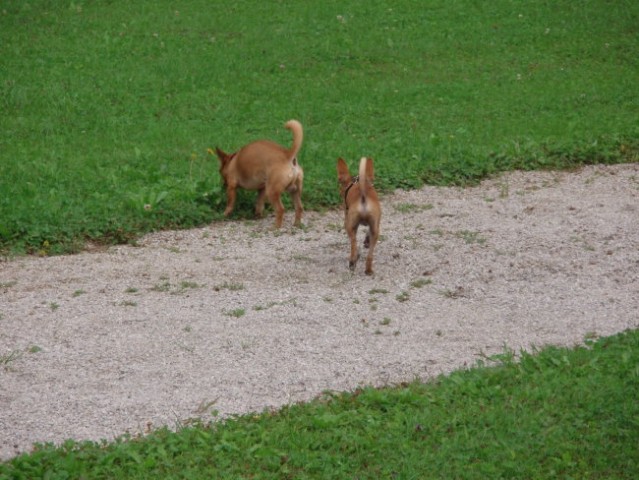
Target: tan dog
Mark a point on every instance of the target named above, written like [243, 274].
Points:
[362, 207]
[268, 168]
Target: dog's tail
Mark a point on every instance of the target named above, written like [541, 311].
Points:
[366, 176]
[298, 135]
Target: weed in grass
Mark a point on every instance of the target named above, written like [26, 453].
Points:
[403, 296]
[304, 258]
[259, 308]
[231, 286]
[161, 287]
[471, 237]
[411, 207]
[420, 282]
[7, 285]
[34, 349]
[375, 291]
[131, 290]
[236, 313]
[457, 292]
[77, 293]
[129, 303]
[8, 358]
[54, 306]
[590, 337]
[385, 321]
[186, 284]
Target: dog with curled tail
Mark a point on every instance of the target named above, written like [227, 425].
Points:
[269, 168]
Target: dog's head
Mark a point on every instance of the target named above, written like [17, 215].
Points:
[225, 161]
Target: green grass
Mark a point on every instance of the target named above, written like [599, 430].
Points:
[108, 108]
[558, 413]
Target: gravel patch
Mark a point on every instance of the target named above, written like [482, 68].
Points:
[235, 317]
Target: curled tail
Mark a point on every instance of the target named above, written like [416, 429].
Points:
[298, 135]
[365, 176]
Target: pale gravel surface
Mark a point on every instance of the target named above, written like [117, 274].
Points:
[115, 341]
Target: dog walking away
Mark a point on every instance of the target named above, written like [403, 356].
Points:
[361, 207]
[268, 168]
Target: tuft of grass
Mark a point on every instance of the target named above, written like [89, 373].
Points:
[420, 282]
[232, 286]
[7, 359]
[471, 237]
[404, 296]
[259, 308]
[554, 413]
[165, 286]
[186, 284]
[411, 207]
[236, 313]
[375, 291]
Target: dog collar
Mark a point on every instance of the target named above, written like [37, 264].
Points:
[354, 180]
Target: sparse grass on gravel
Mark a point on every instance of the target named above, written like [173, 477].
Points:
[559, 413]
[108, 108]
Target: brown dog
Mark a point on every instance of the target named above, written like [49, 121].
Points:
[268, 168]
[362, 207]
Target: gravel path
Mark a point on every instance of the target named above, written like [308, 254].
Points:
[235, 317]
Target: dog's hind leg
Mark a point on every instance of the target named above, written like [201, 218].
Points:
[297, 201]
[275, 198]
[373, 234]
[259, 203]
[352, 235]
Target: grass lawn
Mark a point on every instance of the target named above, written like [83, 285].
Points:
[558, 413]
[108, 108]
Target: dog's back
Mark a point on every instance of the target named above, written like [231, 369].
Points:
[261, 159]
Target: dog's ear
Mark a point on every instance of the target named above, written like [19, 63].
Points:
[370, 174]
[343, 175]
[223, 156]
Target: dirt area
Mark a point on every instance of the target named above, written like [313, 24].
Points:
[235, 317]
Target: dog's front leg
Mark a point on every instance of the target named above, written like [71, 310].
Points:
[230, 200]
